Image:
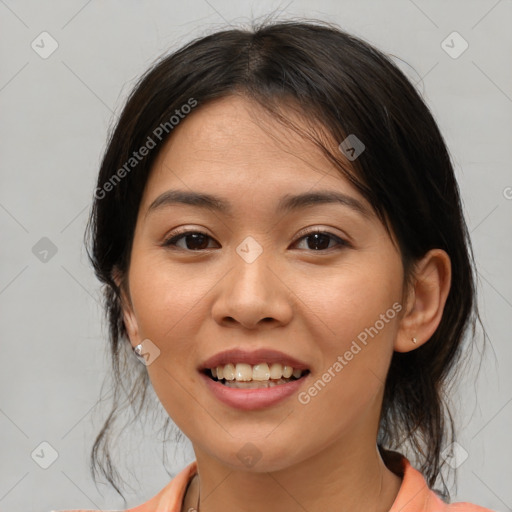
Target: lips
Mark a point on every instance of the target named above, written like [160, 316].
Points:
[266, 394]
[252, 357]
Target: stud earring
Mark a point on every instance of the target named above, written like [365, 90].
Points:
[414, 340]
[138, 350]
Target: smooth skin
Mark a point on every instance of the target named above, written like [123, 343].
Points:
[200, 297]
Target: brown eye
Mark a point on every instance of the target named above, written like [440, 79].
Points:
[321, 240]
[194, 241]
[198, 241]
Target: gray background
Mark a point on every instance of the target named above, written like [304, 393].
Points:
[55, 113]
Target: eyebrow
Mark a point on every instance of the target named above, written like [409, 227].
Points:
[286, 204]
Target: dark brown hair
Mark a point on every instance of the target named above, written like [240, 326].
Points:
[344, 86]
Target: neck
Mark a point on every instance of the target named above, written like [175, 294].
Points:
[338, 478]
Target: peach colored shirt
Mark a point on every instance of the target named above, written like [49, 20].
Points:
[413, 495]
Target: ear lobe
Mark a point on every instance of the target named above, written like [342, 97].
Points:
[131, 326]
[426, 300]
[130, 322]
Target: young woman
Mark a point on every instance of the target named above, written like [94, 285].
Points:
[279, 231]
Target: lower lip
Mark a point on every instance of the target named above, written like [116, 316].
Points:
[250, 399]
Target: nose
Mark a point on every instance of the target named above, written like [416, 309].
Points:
[253, 295]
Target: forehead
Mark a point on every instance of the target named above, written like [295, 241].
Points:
[234, 147]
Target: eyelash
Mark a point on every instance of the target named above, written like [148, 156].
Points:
[171, 241]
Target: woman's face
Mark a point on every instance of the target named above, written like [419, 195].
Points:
[256, 278]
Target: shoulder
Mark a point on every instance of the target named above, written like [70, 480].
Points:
[466, 507]
[414, 494]
[169, 498]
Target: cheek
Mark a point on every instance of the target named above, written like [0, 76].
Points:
[351, 301]
[166, 300]
[356, 348]
[356, 311]
[168, 306]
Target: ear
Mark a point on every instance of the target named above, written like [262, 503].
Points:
[129, 319]
[426, 298]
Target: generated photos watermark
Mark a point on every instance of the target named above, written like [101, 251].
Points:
[158, 133]
[305, 397]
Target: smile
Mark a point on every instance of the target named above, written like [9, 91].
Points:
[261, 375]
[253, 394]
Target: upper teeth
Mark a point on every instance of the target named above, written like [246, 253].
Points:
[261, 371]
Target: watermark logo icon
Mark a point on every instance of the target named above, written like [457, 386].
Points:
[454, 455]
[249, 249]
[454, 45]
[146, 352]
[44, 45]
[44, 250]
[352, 147]
[249, 454]
[44, 455]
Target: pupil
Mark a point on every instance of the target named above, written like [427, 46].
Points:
[196, 237]
[318, 238]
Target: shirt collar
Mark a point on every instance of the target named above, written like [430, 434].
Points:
[414, 494]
